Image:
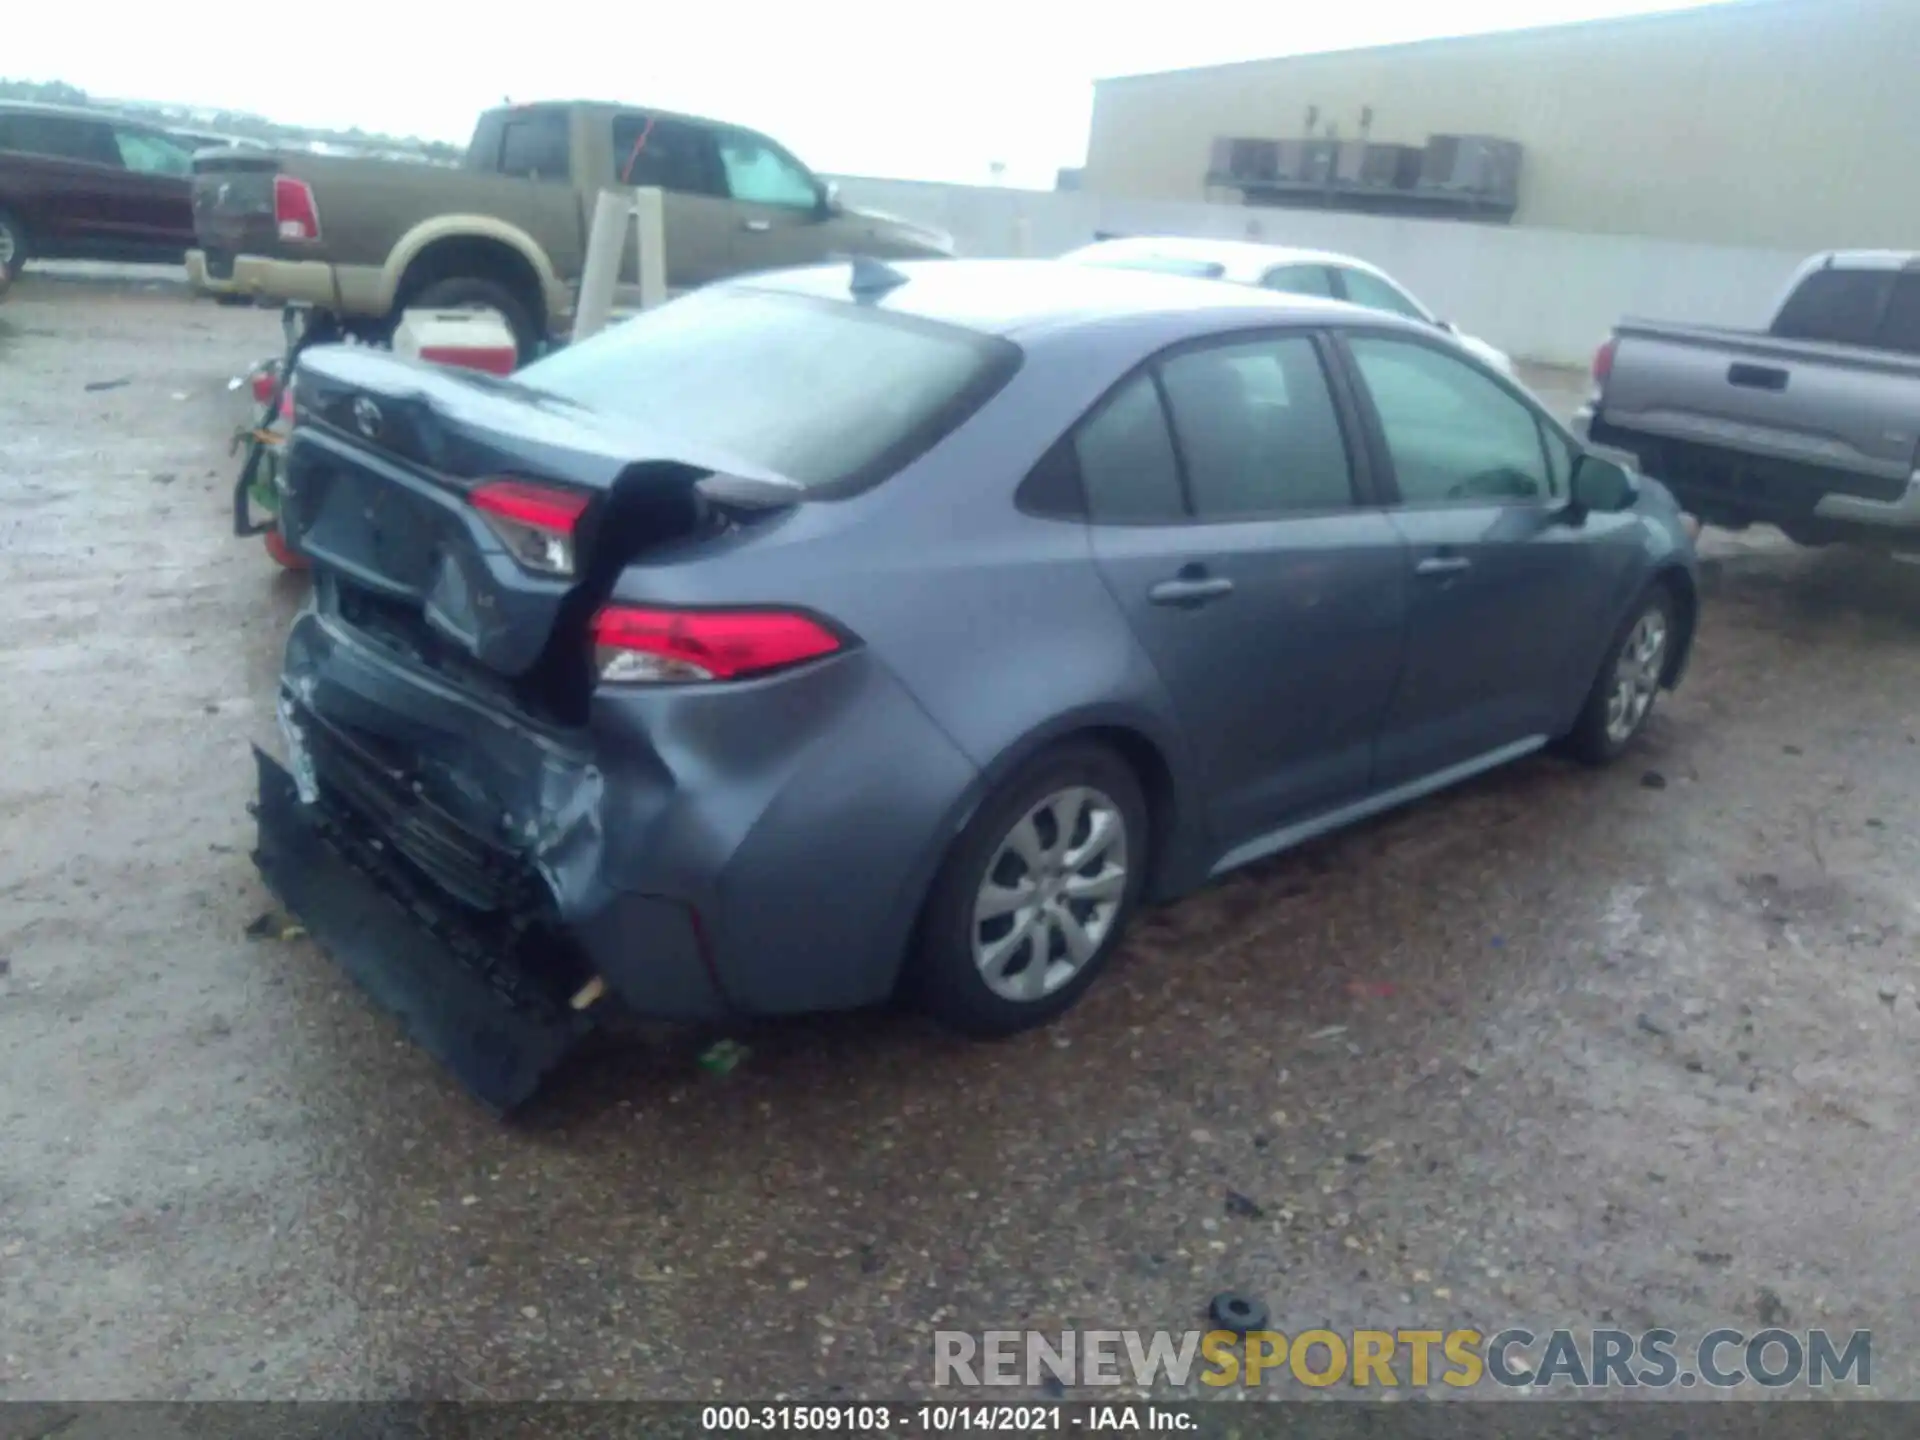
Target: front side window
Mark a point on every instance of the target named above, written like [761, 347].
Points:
[761, 175]
[1376, 294]
[665, 154]
[1300, 280]
[1257, 429]
[1900, 330]
[1127, 468]
[837, 395]
[1454, 435]
[145, 153]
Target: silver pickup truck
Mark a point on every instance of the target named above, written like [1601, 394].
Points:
[1812, 425]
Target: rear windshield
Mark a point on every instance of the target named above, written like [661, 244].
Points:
[1166, 265]
[832, 395]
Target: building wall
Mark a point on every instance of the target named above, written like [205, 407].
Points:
[1774, 123]
[1549, 296]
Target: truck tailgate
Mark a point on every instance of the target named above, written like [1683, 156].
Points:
[233, 207]
[1853, 413]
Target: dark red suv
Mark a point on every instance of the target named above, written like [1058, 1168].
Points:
[81, 185]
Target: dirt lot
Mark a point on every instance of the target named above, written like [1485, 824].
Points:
[1560, 1048]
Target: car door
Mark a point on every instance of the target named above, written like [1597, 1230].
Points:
[779, 208]
[1507, 593]
[678, 157]
[71, 207]
[1227, 516]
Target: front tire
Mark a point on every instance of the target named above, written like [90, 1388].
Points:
[1035, 895]
[1629, 681]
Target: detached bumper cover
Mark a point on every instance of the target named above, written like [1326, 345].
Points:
[487, 1024]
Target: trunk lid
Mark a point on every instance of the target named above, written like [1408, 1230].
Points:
[233, 206]
[385, 459]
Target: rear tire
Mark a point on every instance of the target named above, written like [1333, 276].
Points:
[13, 244]
[1629, 681]
[462, 292]
[1035, 895]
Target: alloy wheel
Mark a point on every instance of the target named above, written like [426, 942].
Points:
[1051, 895]
[1636, 675]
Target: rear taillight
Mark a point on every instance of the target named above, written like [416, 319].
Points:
[294, 211]
[535, 522]
[637, 645]
[1603, 360]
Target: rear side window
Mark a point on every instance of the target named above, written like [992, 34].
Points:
[1165, 265]
[831, 395]
[1376, 294]
[1841, 307]
[1300, 280]
[1901, 328]
[1127, 468]
[536, 145]
[58, 137]
[665, 154]
[1257, 429]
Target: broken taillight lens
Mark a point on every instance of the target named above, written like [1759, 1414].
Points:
[537, 523]
[641, 645]
[295, 214]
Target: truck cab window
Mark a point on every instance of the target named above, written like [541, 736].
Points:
[760, 175]
[1840, 307]
[660, 153]
[536, 146]
[1901, 329]
[147, 154]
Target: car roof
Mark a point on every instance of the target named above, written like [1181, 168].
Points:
[1022, 298]
[1242, 260]
[79, 112]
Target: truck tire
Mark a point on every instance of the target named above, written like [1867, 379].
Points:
[13, 243]
[461, 292]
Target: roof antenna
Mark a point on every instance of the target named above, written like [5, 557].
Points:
[873, 277]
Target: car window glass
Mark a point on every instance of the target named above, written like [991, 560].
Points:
[666, 154]
[1376, 294]
[1837, 306]
[1300, 280]
[59, 137]
[149, 154]
[1163, 264]
[1126, 458]
[1901, 328]
[1453, 433]
[1257, 429]
[536, 146]
[761, 175]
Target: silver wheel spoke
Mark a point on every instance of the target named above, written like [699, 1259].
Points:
[1100, 834]
[1109, 884]
[1080, 945]
[994, 957]
[1025, 842]
[997, 900]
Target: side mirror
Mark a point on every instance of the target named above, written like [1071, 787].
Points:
[1448, 326]
[830, 199]
[1601, 486]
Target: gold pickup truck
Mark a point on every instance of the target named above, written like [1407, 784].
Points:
[362, 240]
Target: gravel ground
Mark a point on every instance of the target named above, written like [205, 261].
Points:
[1558, 1048]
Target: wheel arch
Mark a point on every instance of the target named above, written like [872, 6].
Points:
[481, 246]
[1680, 583]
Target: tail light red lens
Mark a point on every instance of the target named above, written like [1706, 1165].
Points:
[1603, 360]
[294, 212]
[640, 645]
[537, 523]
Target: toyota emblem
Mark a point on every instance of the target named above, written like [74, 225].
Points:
[366, 418]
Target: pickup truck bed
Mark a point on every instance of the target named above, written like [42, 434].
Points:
[1817, 436]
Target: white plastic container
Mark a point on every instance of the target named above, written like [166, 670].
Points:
[468, 339]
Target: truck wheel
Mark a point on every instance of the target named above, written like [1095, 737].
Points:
[474, 293]
[13, 243]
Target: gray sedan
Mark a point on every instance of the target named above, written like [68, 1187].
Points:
[856, 630]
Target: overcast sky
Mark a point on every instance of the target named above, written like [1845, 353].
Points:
[854, 87]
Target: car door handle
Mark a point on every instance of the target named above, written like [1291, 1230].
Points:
[759, 227]
[1443, 565]
[1189, 592]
